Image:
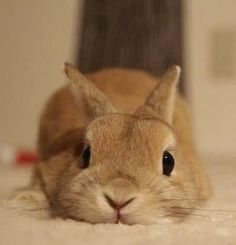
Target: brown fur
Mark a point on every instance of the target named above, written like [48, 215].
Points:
[129, 118]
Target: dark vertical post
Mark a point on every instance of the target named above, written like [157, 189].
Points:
[139, 34]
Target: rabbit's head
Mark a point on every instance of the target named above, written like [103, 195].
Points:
[129, 167]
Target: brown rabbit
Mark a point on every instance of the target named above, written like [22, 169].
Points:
[116, 146]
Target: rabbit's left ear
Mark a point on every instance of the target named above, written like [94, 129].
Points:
[160, 101]
[93, 101]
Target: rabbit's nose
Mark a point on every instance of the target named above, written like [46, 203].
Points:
[118, 204]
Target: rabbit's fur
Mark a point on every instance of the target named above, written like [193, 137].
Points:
[128, 118]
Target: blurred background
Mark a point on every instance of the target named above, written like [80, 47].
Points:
[37, 37]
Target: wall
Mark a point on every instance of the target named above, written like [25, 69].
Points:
[36, 38]
[210, 58]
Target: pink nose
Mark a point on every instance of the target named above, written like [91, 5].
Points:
[118, 205]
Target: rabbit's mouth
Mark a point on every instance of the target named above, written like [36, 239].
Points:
[121, 219]
[124, 219]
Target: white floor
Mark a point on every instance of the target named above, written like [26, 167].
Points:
[215, 224]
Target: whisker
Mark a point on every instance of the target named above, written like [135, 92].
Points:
[181, 199]
[209, 209]
[188, 213]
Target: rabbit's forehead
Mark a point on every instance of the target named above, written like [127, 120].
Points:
[120, 127]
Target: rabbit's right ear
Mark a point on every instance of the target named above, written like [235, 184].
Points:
[93, 101]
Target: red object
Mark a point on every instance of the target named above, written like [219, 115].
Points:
[25, 157]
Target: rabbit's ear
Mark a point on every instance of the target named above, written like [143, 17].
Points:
[160, 101]
[93, 101]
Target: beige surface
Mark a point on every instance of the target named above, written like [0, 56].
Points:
[214, 224]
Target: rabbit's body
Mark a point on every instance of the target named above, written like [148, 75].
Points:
[120, 145]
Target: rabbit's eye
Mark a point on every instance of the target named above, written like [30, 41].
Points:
[168, 163]
[85, 157]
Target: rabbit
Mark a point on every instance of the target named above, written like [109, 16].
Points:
[116, 146]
